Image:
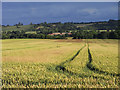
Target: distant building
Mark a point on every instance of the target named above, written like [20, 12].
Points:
[60, 34]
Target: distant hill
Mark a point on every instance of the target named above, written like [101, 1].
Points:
[15, 28]
[65, 27]
[92, 30]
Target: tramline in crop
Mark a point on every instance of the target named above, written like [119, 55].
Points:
[59, 63]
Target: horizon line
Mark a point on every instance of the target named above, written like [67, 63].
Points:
[65, 22]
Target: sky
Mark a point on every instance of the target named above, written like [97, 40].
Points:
[60, 0]
[38, 12]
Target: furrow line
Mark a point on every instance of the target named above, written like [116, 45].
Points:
[62, 67]
[97, 70]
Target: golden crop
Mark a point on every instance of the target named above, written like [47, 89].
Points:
[41, 63]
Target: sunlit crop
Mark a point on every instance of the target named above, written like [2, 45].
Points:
[35, 63]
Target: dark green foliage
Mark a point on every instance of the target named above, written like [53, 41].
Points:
[96, 35]
[91, 30]
[22, 34]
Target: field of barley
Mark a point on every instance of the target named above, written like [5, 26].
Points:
[44, 63]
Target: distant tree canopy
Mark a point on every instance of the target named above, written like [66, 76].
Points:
[92, 30]
[75, 35]
[97, 35]
[22, 34]
[31, 23]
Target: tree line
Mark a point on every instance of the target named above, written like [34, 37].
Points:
[76, 35]
[90, 30]
[23, 35]
[96, 35]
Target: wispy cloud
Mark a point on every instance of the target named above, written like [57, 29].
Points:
[90, 11]
[52, 12]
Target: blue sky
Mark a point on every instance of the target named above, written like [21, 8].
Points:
[37, 12]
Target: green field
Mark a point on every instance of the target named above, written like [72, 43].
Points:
[14, 28]
[43, 63]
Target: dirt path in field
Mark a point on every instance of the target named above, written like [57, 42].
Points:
[97, 70]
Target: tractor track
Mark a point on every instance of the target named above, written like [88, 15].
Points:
[89, 65]
[97, 70]
[62, 68]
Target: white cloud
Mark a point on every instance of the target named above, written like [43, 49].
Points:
[33, 10]
[90, 10]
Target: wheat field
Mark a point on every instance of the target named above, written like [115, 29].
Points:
[44, 63]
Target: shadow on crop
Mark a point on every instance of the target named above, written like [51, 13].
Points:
[61, 68]
[97, 70]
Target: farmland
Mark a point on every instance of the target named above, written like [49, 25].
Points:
[66, 63]
[58, 30]
[11, 28]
